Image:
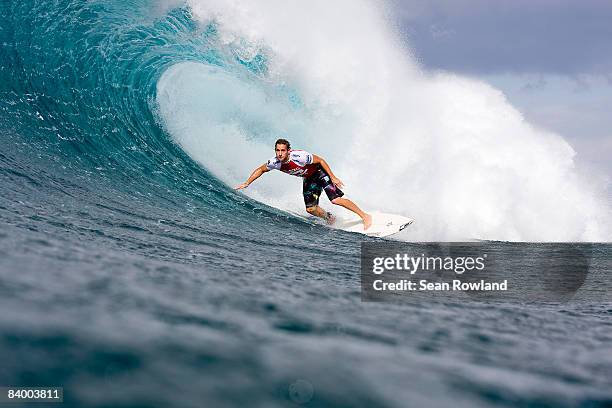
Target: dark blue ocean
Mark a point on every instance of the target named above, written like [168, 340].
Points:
[132, 276]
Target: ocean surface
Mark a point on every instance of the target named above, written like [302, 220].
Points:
[132, 275]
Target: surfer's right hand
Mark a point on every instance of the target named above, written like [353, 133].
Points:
[337, 182]
[241, 186]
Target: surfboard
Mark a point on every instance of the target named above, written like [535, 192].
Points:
[383, 224]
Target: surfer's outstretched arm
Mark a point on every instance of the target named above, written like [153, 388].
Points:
[319, 160]
[254, 176]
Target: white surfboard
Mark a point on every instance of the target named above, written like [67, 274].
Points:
[383, 224]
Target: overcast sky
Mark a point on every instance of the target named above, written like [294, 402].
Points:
[552, 58]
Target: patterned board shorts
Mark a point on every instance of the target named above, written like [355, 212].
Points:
[313, 186]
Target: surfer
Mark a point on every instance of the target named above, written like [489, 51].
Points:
[317, 176]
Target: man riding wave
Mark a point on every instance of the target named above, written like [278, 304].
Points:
[317, 176]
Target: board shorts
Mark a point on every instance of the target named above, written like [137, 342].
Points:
[314, 185]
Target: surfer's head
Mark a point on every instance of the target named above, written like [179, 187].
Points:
[281, 147]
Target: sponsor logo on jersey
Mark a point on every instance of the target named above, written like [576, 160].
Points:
[297, 172]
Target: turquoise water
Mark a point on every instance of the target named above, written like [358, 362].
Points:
[131, 276]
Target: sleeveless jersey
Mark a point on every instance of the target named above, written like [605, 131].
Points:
[299, 164]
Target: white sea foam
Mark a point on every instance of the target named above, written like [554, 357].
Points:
[448, 151]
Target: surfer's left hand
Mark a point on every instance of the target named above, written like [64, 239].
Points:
[337, 182]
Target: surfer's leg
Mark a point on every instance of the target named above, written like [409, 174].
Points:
[319, 212]
[349, 205]
[311, 191]
[316, 210]
[335, 196]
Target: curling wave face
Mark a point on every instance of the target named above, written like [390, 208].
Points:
[175, 99]
[448, 151]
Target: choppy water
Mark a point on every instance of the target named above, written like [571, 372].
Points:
[131, 275]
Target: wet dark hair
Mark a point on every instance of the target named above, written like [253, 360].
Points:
[283, 142]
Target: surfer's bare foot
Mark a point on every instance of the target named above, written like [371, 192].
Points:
[330, 218]
[367, 221]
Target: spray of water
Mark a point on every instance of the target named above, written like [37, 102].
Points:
[448, 151]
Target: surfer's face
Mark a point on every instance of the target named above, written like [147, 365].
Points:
[281, 152]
